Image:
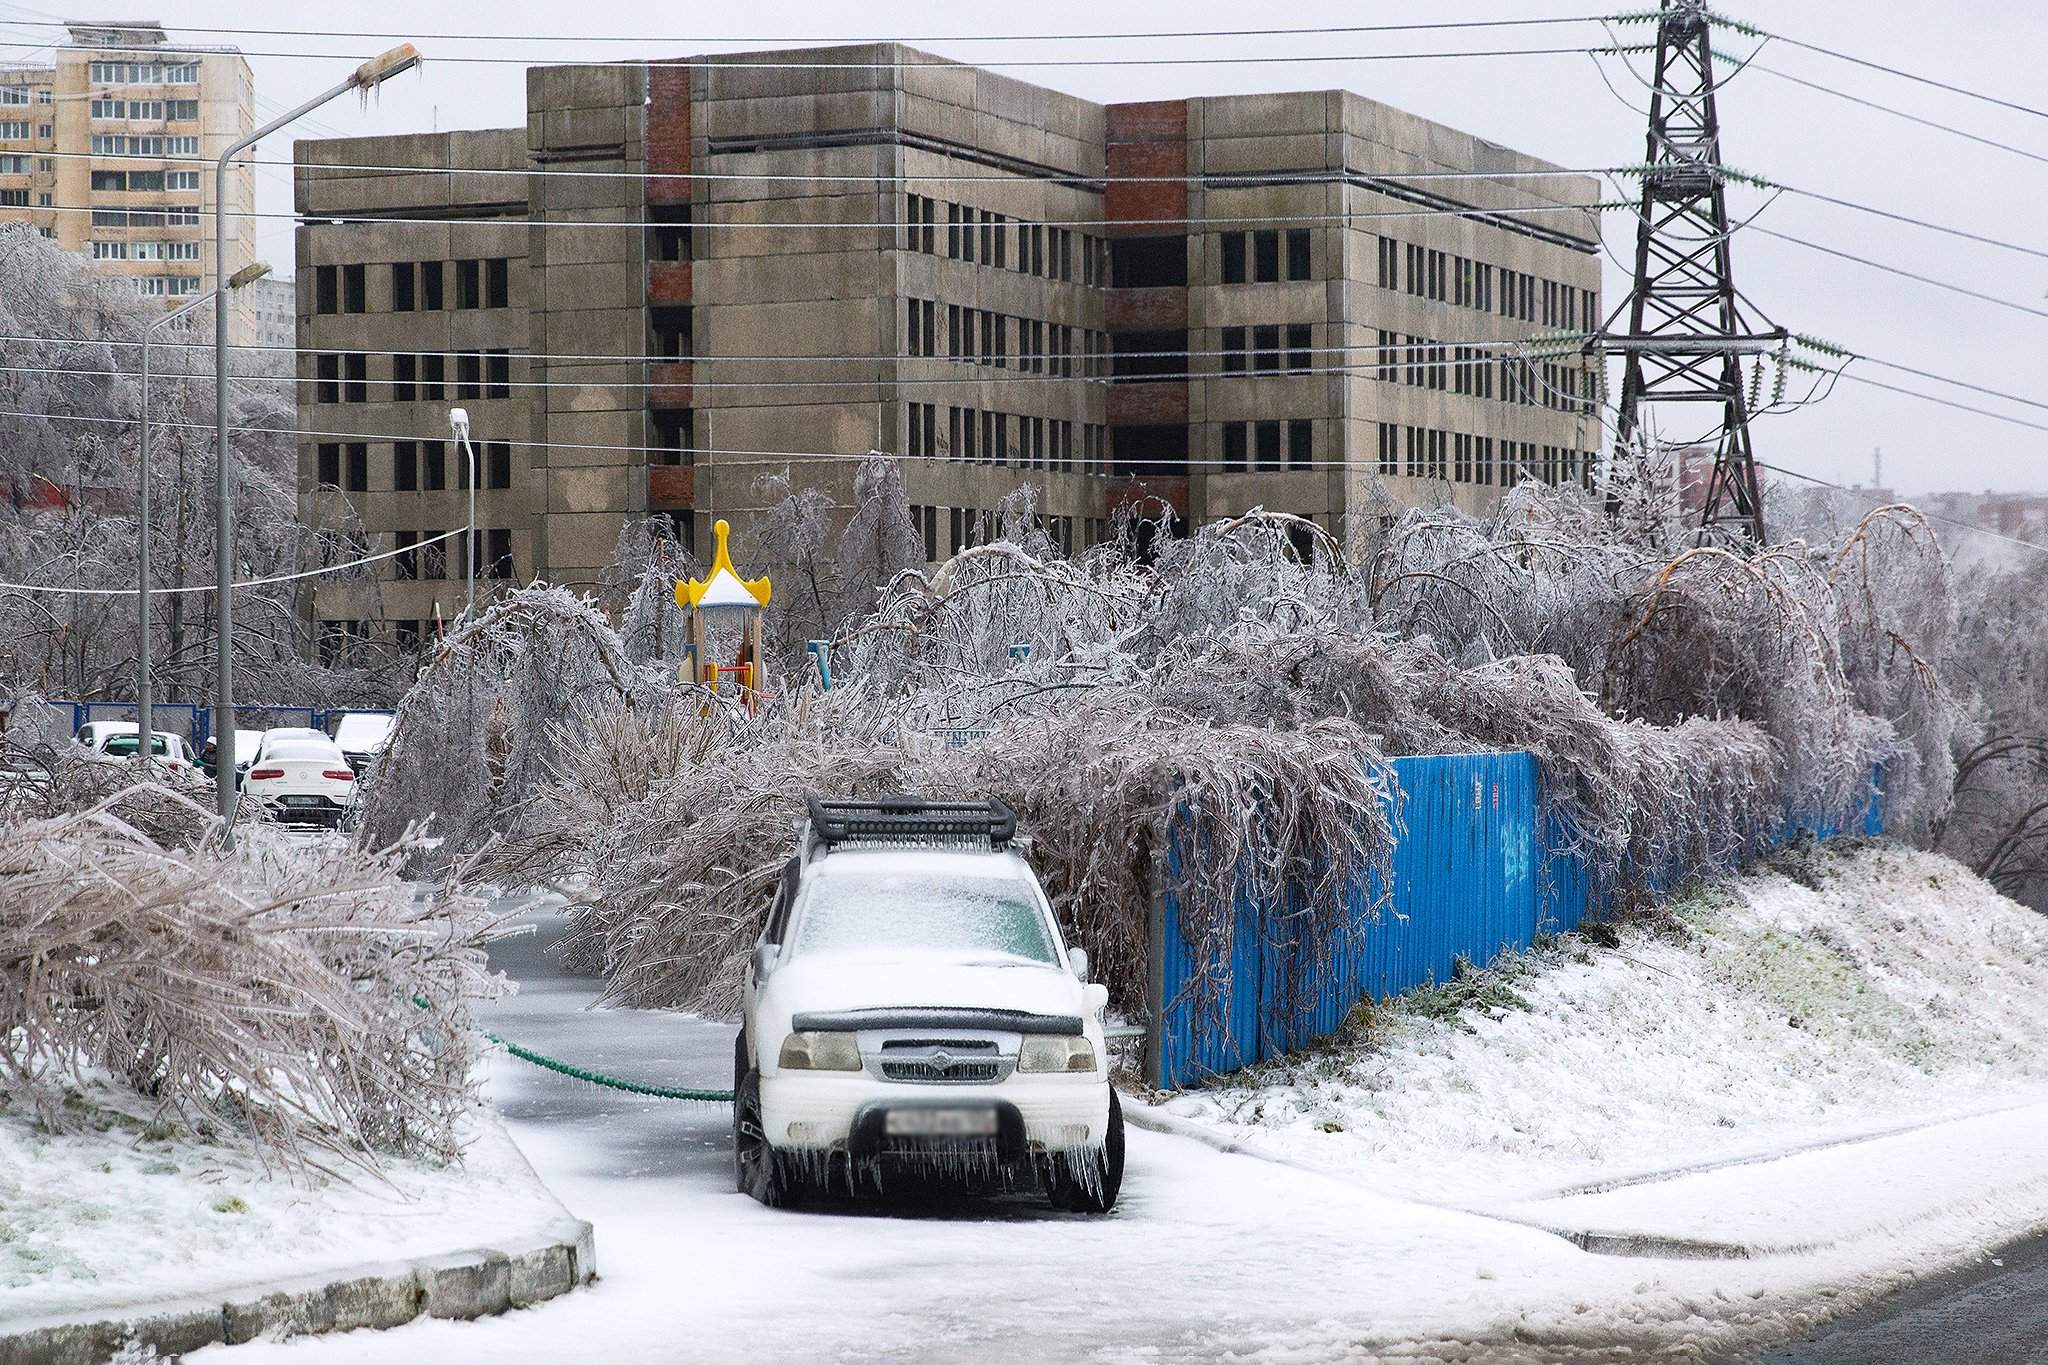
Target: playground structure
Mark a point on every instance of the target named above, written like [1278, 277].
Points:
[718, 599]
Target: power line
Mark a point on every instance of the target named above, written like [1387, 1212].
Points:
[1931, 516]
[1763, 182]
[1212, 180]
[1887, 109]
[1901, 272]
[524, 220]
[1752, 31]
[1317, 31]
[714, 63]
[239, 583]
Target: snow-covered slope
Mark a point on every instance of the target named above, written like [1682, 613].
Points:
[1831, 993]
[119, 1209]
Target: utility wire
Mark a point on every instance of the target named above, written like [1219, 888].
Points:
[1889, 109]
[715, 63]
[1316, 31]
[1752, 31]
[239, 583]
[1901, 272]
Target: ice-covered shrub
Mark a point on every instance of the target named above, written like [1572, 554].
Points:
[306, 998]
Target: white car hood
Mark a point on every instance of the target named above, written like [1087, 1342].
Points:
[858, 981]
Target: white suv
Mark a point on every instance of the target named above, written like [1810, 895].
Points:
[911, 1003]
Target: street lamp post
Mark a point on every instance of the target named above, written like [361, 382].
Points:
[458, 422]
[364, 78]
[144, 724]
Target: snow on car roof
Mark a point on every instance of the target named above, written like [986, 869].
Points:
[364, 731]
[924, 862]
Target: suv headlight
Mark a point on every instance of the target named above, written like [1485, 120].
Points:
[1043, 1052]
[820, 1052]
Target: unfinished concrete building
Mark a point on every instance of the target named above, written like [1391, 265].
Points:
[681, 276]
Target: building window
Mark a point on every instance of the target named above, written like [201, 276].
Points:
[430, 286]
[468, 284]
[1266, 349]
[325, 293]
[670, 224]
[434, 559]
[355, 294]
[327, 379]
[402, 287]
[433, 377]
[358, 467]
[1300, 443]
[1300, 346]
[672, 330]
[1233, 258]
[1390, 449]
[1234, 448]
[1297, 253]
[404, 377]
[469, 370]
[1148, 263]
[1266, 437]
[498, 552]
[1266, 255]
[328, 465]
[405, 466]
[498, 464]
[498, 282]
[406, 563]
[498, 374]
[355, 373]
[433, 466]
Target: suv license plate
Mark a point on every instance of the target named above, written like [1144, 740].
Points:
[305, 800]
[940, 1123]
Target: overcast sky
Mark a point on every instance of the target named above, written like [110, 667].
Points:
[1550, 106]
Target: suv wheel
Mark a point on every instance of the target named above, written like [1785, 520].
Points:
[758, 1169]
[1093, 1190]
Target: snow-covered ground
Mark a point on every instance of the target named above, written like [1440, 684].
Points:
[1212, 1256]
[122, 1209]
[1829, 995]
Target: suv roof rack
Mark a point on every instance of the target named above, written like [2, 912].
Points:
[911, 820]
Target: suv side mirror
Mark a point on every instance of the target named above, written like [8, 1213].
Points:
[765, 955]
[1077, 963]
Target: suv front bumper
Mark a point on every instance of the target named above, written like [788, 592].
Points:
[829, 1111]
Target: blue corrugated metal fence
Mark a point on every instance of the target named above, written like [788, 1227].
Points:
[1477, 870]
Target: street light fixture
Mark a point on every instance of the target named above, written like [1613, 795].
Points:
[364, 78]
[458, 422]
[144, 724]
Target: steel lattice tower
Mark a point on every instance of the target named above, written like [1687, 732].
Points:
[1687, 328]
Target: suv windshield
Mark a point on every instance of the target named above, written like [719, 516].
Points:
[907, 909]
[124, 746]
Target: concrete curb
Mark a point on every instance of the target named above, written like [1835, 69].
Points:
[463, 1284]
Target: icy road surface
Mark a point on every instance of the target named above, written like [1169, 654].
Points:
[1208, 1257]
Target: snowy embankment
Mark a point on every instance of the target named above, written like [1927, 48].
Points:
[120, 1208]
[1831, 994]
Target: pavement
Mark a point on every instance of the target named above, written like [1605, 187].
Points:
[1210, 1256]
[1994, 1312]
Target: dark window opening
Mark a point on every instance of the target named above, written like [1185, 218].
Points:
[1233, 350]
[1300, 346]
[1300, 443]
[430, 286]
[433, 377]
[468, 284]
[402, 296]
[1266, 255]
[469, 367]
[358, 467]
[1233, 258]
[329, 465]
[327, 379]
[324, 290]
[672, 332]
[498, 374]
[1265, 348]
[497, 283]
[1234, 448]
[1148, 262]
[1267, 438]
[675, 436]
[1297, 253]
[1150, 355]
[355, 377]
[669, 225]
[405, 466]
[405, 373]
[355, 289]
[1158, 450]
[498, 464]
[433, 466]
[498, 553]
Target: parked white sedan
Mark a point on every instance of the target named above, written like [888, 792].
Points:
[120, 739]
[302, 774]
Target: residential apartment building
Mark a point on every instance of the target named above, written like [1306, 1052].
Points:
[679, 277]
[104, 147]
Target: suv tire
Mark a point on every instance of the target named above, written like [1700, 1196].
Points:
[758, 1169]
[1093, 1191]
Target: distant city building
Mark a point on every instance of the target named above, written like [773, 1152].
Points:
[676, 277]
[105, 149]
[2024, 515]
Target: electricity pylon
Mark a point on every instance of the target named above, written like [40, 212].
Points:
[1687, 325]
